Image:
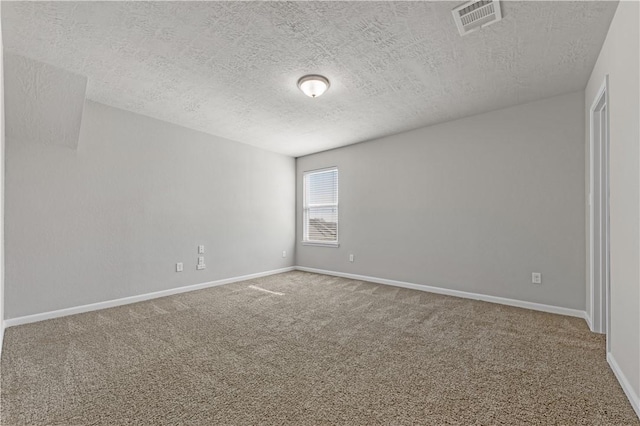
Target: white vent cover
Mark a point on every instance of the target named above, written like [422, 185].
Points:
[476, 14]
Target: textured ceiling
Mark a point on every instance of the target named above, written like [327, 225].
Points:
[230, 68]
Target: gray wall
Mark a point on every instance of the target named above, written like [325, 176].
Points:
[112, 218]
[620, 59]
[476, 204]
[1, 188]
[47, 102]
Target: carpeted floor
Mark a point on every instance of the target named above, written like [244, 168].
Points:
[313, 349]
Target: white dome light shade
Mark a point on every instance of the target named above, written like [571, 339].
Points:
[313, 85]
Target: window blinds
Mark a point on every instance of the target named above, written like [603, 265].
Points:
[321, 206]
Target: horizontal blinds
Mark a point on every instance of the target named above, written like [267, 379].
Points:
[321, 206]
[322, 188]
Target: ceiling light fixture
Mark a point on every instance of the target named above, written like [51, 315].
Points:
[313, 85]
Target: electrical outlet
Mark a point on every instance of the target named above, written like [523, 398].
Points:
[201, 267]
[351, 257]
[179, 267]
[200, 260]
[284, 253]
[200, 249]
[536, 278]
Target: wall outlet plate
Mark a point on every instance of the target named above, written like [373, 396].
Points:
[200, 260]
[200, 249]
[201, 267]
[284, 253]
[351, 257]
[536, 278]
[179, 267]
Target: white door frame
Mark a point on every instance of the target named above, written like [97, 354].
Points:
[599, 286]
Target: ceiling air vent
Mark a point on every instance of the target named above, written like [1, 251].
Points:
[474, 15]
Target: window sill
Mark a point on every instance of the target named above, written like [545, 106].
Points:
[320, 244]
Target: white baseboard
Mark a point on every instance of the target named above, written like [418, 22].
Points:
[634, 399]
[587, 318]
[1, 336]
[457, 293]
[134, 299]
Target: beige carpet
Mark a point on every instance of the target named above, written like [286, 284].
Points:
[313, 350]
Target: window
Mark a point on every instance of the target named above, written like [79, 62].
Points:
[320, 208]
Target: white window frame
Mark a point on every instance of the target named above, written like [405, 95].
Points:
[306, 206]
